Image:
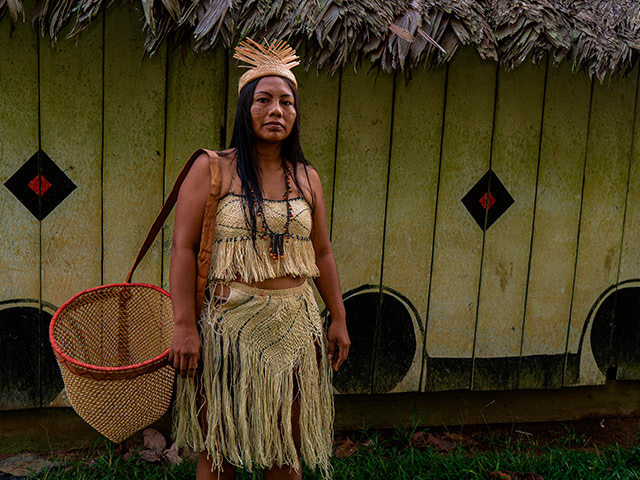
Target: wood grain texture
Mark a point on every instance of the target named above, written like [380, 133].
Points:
[71, 132]
[134, 123]
[20, 333]
[359, 205]
[555, 233]
[232, 94]
[319, 101]
[196, 118]
[319, 95]
[630, 255]
[20, 247]
[458, 239]
[602, 217]
[507, 242]
[411, 206]
[361, 177]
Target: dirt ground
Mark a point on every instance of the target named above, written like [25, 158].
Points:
[587, 434]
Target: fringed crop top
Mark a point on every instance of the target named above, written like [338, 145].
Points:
[234, 256]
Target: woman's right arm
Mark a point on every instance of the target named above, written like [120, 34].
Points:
[192, 199]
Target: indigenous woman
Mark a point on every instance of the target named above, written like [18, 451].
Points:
[250, 229]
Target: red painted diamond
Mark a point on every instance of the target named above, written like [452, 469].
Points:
[39, 185]
[487, 204]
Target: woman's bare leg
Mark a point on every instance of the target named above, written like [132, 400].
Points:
[286, 472]
[203, 471]
[282, 473]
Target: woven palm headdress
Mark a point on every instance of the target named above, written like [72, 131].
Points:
[276, 58]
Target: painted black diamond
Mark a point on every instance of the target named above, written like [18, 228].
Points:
[40, 185]
[487, 200]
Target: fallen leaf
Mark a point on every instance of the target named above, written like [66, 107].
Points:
[462, 440]
[346, 448]
[422, 440]
[149, 455]
[154, 440]
[171, 455]
[419, 440]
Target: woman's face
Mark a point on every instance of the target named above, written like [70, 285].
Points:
[273, 112]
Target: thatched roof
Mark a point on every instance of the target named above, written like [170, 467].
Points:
[599, 36]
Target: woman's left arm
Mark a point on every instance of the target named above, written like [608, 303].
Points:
[327, 282]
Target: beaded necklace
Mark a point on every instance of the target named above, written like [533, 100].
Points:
[276, 240]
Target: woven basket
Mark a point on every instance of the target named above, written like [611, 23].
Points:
[112, 343]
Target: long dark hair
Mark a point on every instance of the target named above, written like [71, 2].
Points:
[244, 141]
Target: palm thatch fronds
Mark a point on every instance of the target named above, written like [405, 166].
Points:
[530, 30]
[15, 9]
[607, 36]
[599, 36]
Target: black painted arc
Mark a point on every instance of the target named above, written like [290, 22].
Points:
[396, 344]
[615, 333]
[355, 374]
[51, 383]
[25, 380]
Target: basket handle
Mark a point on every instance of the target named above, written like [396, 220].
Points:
[168, 205]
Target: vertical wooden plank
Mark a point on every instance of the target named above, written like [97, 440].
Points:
[319, 117]
[507, 242]
[20, 245]
[134, 120]
[411, 209]
[319, 97]
[71, 130]
[458, 239]
[195, 119]
[71, 133]
[555, 232]
[601, 221]
[232, 94]
[630, 256]
[359, 204]
[622, 304]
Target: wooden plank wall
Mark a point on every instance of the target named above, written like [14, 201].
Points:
[438, 297]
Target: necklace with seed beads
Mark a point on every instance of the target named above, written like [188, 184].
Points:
[276, 239]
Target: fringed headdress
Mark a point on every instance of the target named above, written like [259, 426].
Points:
[276, 58]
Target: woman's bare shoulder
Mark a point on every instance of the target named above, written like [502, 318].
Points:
[199, 176]
[308, 176]
[308, 180]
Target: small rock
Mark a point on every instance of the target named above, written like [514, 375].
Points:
[24, 464]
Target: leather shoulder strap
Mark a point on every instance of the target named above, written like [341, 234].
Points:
[208, 228]
[171, 201]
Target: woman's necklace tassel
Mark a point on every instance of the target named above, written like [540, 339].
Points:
[276, 240]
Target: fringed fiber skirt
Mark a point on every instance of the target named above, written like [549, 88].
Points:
[262, 350]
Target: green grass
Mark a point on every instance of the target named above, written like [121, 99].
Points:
[390, 459]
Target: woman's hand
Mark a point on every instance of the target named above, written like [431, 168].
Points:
[185, 350]
[338, 337]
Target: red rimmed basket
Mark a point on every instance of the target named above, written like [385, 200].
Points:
[112, 345]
